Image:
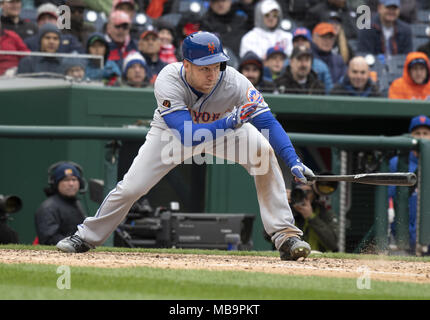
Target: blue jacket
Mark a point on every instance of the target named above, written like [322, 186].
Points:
[334, 62]
[372, 40]
[345, 88]
[413, 165]
[110, 68]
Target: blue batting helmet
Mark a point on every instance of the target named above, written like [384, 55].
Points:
[203, 48]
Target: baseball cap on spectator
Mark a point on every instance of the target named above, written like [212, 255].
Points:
[419, 121]
[417, 61]
[302, 32]
[276, 49]
[324, 28]
[268, 6]
[116, 3]
[65, 170]
[47, 8]
[118, 17]
[148, 32]
[301, 51]
[133, 58]
[389, 3]
[250, 58]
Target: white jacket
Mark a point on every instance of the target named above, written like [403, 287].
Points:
[259, 41]
[261, 38]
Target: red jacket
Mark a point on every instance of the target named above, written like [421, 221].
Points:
[10, 41]
[405, 87]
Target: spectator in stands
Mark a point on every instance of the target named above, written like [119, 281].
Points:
[47, 13]
[129, 7]
[414, 84]
[75, 68]
[299, 78]
[274, 63]
[109, 73]
[297, 10]
[226, 22]
[167, 36]
[388, 34]
[324, 10]
[189, 22]
[149, 47]
[303, 37]
[79, 28]
[251, 66]
[60, 214]
[314, 217]
[156, 8]
[357, 81]
[324, 36]
[135, 71]
[341, 45]
[10, 41]
[49, 37]
[246, 8]
[10, 19]
[120, 42]
[419, 128]
[267, 32]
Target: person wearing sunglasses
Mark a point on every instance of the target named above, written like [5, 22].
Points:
[118, 34]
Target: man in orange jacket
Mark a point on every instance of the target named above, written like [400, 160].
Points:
[414, 84]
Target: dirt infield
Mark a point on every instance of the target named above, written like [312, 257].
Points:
[377, 269]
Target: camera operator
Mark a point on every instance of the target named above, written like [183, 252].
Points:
[313, 217]
[60, 214]
[8, 204]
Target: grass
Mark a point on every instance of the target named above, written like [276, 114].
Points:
[40, 282]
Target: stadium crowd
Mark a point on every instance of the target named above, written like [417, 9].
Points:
[334, 47]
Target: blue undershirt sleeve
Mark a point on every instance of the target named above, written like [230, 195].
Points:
[278, 138]
[181, 122]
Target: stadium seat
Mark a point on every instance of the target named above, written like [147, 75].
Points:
[423, 16]
[395, 63]
[420, 30]
[418, 42]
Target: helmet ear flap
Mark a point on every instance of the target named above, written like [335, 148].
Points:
[223, 66]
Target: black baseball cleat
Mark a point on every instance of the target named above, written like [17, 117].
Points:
[293, 249]
[73, 244]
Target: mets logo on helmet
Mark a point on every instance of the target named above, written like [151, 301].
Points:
[254, 95]
[211, 47]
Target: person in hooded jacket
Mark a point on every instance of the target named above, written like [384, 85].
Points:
[251, 66]
[414, 84]
[109, 72]
[267, 32]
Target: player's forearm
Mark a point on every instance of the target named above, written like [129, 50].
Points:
[181, 122]
[278, 138]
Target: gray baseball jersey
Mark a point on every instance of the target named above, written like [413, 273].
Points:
[173, 93]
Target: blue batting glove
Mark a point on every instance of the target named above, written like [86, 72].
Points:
[300, 171]
[240, 115]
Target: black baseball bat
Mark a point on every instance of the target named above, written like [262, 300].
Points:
[380, 179]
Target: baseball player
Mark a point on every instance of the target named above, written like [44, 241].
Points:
[206, 105]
